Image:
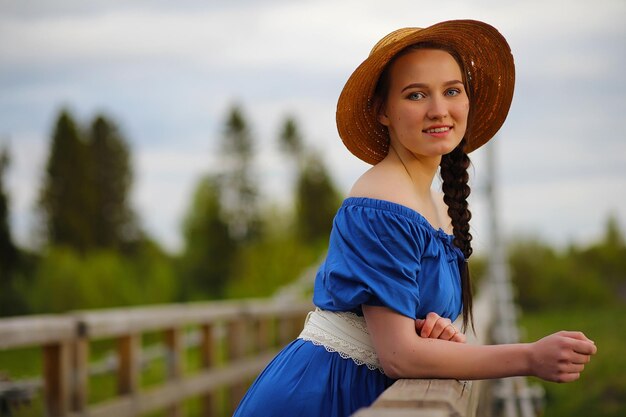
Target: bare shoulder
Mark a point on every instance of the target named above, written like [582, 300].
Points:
[383, 182]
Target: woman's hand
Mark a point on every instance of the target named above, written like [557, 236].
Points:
[561, 357]
[437, 327]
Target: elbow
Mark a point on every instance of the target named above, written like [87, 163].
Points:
[392, 367]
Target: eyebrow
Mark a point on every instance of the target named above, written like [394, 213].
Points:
[422, 85]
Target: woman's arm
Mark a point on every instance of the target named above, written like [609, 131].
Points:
[559, 357]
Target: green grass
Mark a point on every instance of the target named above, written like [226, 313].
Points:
[601, 390]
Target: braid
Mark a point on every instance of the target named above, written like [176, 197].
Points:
[455, 178]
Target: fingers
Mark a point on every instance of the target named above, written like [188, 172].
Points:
[429, 324]
[578, 342]
[419, 323]
[459, 338]
[576, 335]
[435, 326]
[562, 356]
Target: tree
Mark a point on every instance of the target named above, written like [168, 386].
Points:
[317, 200]
[10, 302]
[291, 140]
[237, 188]
[67, 196]
[209, 251]
[316, 197]
[113, 221]
[8, 250]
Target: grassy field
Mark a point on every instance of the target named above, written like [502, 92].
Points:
[601, 390]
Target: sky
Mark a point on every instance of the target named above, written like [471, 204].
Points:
[168, 72]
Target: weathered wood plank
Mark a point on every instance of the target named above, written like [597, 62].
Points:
[168, 394]
[128, 374]
[115, 322]
[401, 412]
[449, 395]
[35, 331]
[56, 375]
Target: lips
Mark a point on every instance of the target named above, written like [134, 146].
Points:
[438, 129]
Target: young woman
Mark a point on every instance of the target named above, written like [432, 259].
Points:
[396, 272]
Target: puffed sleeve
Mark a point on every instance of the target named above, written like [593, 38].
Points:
[373, 259]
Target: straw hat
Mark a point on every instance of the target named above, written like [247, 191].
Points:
[489, 76]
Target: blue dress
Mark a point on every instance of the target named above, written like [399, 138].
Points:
[380, 253]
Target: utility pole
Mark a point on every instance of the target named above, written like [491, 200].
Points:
[513, 396]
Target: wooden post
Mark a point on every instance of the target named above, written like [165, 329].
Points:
[80, 377]
[129, 351]
[207, 357]
[174, 363]
[56, 375]
[236, 338]
[284, 331]
[264, 334]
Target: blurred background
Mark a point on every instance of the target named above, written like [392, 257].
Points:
[158, 151]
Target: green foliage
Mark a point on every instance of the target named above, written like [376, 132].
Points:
[290, 139]
[9, 253]
[316, 196]
[601, 390]
[8, 250]
[579, 277]
[113, 222]
[66, 280]
[67, 196]
[274, 261]
[317, 200]
[238, 190]
[208, 256]
[578, 289]
[84, 198]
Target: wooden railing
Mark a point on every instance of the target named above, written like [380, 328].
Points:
[236, 339]
[441, 397]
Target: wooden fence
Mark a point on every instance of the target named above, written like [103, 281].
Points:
[236, 340]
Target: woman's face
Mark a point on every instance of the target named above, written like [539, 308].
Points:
[426, 106]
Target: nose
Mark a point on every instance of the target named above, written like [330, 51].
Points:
[438, 108]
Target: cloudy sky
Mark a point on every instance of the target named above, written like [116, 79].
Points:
[167, 73]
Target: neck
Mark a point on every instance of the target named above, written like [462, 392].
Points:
[421, 169]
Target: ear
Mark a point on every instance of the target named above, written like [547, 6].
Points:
[381, 113]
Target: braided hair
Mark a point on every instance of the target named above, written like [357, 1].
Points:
[455, 180]
[456, 191]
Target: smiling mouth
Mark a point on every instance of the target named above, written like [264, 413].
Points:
[438, 129]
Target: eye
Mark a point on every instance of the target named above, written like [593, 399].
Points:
[453, 92]
[416, 95]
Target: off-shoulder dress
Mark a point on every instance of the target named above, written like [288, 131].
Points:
[380, 253]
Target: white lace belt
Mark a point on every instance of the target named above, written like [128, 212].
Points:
[341, 332]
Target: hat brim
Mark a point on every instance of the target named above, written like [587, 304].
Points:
[489, 72]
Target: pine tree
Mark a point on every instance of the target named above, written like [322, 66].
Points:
[316, 197]
[207, 260]
[238, 190]
[113, 221]
[8, 250]
[291, 140]
[67, 196]
[317, 200]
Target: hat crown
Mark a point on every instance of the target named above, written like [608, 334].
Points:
[393, 37]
